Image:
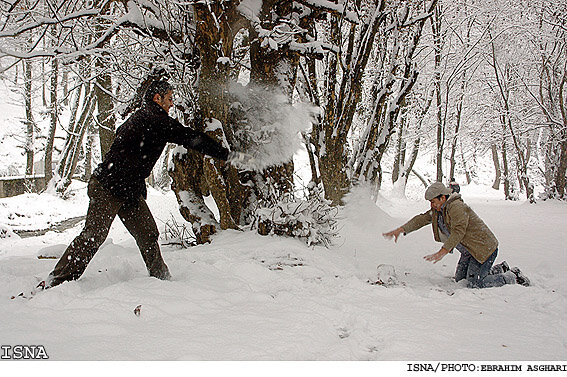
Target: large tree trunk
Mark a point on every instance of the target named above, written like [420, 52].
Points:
[333, 159]
[106, 118]
[343, 98]
[216, 26]
[274, 69]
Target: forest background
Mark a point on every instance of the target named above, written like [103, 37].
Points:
[451, 82]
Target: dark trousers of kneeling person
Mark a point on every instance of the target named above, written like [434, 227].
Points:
[103, 208]
[482, 275]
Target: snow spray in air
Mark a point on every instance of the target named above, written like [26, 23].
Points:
[267, 125]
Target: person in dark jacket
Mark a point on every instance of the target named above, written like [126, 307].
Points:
[117, 186]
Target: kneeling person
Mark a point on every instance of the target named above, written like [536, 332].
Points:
[458, 226]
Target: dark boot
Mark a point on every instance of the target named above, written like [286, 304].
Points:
[499, 268]
[520, 277]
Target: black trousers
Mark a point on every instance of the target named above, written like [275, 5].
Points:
[103, 208]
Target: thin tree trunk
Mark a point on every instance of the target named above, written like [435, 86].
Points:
[68, 165]
[48, 158]
[65, 81]
[106, 118]
[400, 153]
[83, 124]
[423, 180]
[560, 177]
[89, 152]
[437, 43]
[507, 185]
[43, 80]
[30, 124]
[498, 171]
[457, 127]
[71, 131]
[465, 166]
[405, 170]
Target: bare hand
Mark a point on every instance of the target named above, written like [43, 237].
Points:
[394, 233]
[437, 256]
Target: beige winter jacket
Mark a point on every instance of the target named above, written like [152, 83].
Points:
[464, 225]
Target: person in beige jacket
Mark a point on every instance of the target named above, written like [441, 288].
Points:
[458, 226]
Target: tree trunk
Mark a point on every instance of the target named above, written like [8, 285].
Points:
[65, 82]
[30, 124]
[77, 142]
[342, 99]
[89, 153]
[496, 184]
[48, 160]
[275, 69]
[400, 153]
[560, 177]
[332, 160]
[508, 191]
[73, 144]
[67, 149]
[423, 180]
[106, 119]
[406, 169]
[457, 127]
[437, 47]
[103, 87]
[216, 26]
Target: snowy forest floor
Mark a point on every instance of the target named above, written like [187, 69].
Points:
[248, 297]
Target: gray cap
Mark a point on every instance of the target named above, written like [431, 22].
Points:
[437, 189]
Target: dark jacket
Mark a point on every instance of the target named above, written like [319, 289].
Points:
[139, 143]
[464, 226]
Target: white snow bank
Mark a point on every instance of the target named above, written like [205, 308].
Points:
[248, 297]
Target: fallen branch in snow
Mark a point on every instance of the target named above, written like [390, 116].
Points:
[178, 234]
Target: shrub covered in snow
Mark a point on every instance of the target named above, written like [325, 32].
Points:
[6, 232]
[313, 219]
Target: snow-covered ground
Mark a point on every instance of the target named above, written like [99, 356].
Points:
[248, 297]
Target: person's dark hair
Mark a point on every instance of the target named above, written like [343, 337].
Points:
[157, 87]
[438, 197]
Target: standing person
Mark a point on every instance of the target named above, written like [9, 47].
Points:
[454, 186]
[458, 226]
[117, 186]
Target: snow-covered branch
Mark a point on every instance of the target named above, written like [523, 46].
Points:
[43, 21]
[327, 6]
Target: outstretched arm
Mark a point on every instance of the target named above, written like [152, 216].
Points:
[198, 141]
[394, 233]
